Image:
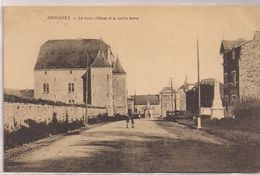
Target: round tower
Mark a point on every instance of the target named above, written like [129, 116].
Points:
[119, 88]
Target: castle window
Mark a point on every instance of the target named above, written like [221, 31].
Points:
[226, 100]
[234, 99]
[46, 88]
[234, 77]
[71, 101]
[225, 78]
[107, 80]
[45, 72]
[70, 72]
[71, 87]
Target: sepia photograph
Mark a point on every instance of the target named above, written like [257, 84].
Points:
[131, 89]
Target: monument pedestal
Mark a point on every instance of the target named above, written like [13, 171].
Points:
[217, 110]
[217, 113]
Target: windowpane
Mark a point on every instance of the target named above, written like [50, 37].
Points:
[233, 74]
[46, 88]
[225, 78]
[70, 87]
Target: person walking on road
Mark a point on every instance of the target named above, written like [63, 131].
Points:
[127, 121]
[149, 114]
[132, 122]
[128, 117]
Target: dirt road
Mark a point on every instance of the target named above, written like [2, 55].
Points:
[152, 146]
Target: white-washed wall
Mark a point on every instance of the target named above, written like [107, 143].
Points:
[102, 88]
[21, 111]
[120, 93]
[58, 84]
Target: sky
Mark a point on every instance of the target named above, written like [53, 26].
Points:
[158, 44]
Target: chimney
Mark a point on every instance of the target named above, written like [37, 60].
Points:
[257, 35]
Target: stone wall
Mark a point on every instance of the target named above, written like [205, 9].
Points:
[20, 111]
[58, 85]
[101, 88]
[249, 68]
[120, 94]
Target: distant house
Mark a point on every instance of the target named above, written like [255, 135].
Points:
[241, 68]
[212, 98]
[144, 104]
[169, 100]
[80, 70]
[171, 97]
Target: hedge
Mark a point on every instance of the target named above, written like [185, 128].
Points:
[38, 130]
[247, 107]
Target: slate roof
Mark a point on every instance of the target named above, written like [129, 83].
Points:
[168, 90]
[69, 53]
[143, 99]
[207, 81]
[118, 68]
[100, 60]
[229, 44]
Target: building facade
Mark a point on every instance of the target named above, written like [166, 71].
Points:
[212, 98]
[144, 104]
[76, 71]
[241, 68]
[174, 99]
[119, 88]
[169, 100]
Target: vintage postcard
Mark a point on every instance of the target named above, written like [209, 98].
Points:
[131, 89]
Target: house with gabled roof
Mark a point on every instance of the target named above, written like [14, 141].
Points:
[211, 98]
[80, 70]
[241, 68]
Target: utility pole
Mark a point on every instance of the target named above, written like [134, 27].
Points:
[86, 84]
[199, 100]
[86, 117]
[171, 95]
[134, 101]
[175, 103]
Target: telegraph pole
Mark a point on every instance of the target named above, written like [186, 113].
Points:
[86, 84]
[171, 95]
[175, 103]
[134, 101]
[86, 118]
[199, 100]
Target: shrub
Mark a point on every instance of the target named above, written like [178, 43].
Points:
[38, 130]
[247, 107]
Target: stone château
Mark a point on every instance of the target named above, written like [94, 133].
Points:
[80, 70]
